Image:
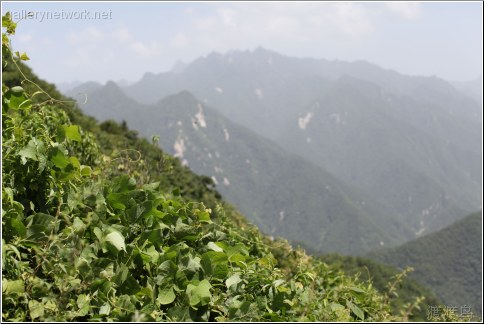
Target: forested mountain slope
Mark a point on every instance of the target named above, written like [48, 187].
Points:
[449, 261]
[372, 140]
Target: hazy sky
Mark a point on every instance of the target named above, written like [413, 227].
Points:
[443, 39]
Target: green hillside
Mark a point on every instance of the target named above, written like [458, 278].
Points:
[449, 262]
[100, 225]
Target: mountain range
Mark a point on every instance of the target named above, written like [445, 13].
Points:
[410, 145]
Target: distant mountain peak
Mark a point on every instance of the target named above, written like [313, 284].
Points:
[262, 50]
[179, 67]
[185, 97]
[258, 51]
[148, 76]
[214, 55]
[112, 86]
[112, 89]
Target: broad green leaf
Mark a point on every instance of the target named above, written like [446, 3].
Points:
[145, 292]
[166, 296]
[78, 225]
[6, 247]
[30, 151]
[121, 274]
[117, 240]
[151, 186]
[72, 132]
[126, 303]
[358, 293]
[13, 286]
[181, 280]
[168, 268]
[116, 200]
[74, 283]
[37, 233]
[278, 282]
[233, 280]
[41, 219]
[50, 305]
[203, 216]
[99, 234]
[185, 232]
[19, 227]
[214, 247]
[75, 162]
[59, 159]
[36, 309]
[190, 264]
[336, 307]
[215, 264]
[237, 258]
[123, 183]
[105, 309]
[150, 255]
[15, 97]
[86, 171]
[108, 272]
[130, 286]
[83, 302]
[238, 308]
[26, 104]
[40, 150]
[24, 57]
[199, 294]
[356, 310]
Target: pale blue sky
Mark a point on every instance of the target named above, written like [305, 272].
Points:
[443, 39]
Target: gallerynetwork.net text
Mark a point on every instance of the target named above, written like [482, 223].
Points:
[61, 15]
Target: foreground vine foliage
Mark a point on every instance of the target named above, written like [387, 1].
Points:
[90, 236]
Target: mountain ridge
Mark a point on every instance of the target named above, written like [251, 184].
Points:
[427, 115]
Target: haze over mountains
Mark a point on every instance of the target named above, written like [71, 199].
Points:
[410, 145]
